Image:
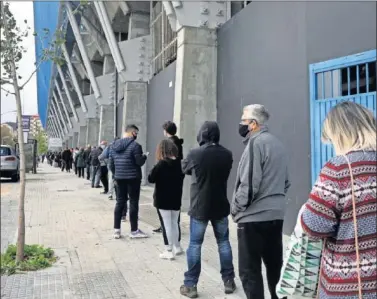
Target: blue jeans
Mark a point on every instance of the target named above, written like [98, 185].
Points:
[197, 231]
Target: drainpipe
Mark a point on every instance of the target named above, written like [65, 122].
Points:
[110, 36]
[84, 55]
[74, 78]
[60, 71]
[116, 106]
[62, 100]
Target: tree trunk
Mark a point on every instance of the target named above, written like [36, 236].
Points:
[21, 203]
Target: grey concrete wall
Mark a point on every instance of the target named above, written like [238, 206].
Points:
[265, 60]
[160, 108]
[120, 118]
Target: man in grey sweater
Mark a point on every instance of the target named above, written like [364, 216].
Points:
[258, 204]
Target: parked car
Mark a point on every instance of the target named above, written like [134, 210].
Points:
[10, 163]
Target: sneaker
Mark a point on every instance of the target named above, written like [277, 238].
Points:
[110, 197]
[116, 234]
[138, 234]
[124, 218]
[158, 230]
[229, 286]
[103, 192]
[167, 255]
[178, 250]
[190, 292]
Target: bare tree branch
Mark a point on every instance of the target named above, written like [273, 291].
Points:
[7, 91]
[5, 82]
[31, 76]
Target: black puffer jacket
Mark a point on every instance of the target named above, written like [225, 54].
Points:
[209, 166]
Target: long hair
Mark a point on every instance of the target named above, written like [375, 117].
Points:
[166, 149]
[349, 126]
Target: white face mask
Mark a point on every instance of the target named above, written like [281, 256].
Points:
[103, 146]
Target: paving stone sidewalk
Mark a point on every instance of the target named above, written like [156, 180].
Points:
[64, 213]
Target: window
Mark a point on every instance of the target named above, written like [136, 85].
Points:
[356, 79]
[5, 151]
[164, 39]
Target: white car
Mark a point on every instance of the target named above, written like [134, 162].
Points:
[10, 163]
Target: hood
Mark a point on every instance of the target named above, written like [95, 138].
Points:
[209, 133]
[120, 145]
[176, 140]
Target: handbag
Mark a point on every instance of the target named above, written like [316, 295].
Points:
[300, 274]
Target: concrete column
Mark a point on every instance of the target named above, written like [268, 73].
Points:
[138, 25]
[195, 86]
[92, 125]
[108, 65]
[82, 136]
[106, 123]
[75, 139]
[135, 112]
[70, 142]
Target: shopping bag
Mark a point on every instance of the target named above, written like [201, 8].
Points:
[301, 267]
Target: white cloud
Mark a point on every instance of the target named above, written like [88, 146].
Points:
[23, 10]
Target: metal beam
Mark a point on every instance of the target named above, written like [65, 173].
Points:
[84, 54]
[74, 79]
[60, 121]
[60, 71]
[56, 102]
[63, 104]
[110, 36]
[55, 123]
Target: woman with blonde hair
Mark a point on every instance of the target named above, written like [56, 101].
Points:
[342, 202]
[167, 198]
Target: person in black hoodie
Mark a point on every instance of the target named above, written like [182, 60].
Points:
[170, 129]
[209, 166]
[168, 179]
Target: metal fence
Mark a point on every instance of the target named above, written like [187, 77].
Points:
[164, 39]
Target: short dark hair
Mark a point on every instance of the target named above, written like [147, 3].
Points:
[166, 148]
[131, 128]
[170, 127]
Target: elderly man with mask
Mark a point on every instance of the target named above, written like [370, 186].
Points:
[258, 204]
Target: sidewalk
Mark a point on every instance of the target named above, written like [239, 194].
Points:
[64, 213]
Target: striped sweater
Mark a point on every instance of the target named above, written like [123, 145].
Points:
[328, 215]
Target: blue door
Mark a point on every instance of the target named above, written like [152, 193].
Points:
[350, 78]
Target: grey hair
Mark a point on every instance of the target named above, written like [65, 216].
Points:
[257, 112]
[350, 126]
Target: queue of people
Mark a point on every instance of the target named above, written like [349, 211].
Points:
[345, 190]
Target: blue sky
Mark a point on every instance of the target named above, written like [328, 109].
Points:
[22, 10]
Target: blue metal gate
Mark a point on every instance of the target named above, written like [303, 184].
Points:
[350, 78]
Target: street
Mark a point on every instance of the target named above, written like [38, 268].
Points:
[64, 213]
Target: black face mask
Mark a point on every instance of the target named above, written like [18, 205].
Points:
[135, 136]
[243, 130]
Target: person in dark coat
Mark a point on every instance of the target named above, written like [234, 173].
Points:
[125, 160]
[80, 163]
[87, 161]
[170, 129]
[66, 157]
[209, 166]
[95, 166]
[167, 198]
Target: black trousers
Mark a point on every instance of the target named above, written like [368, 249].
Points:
[75, 165]
[87, 171]
[257, 242]
[104, 178]
[127, 189]
[124, 213]
[80, 171]
[163, 228]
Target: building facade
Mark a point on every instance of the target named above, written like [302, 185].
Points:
[145, 62]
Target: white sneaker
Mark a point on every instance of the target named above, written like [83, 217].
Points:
[178, 250]
[116, 234]
[138, 234]
[167, 255]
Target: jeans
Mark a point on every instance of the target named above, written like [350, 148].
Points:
[197, 231]
[259, 241]
[111, 183]
[127, 188]
[80, 171]
[104, 178]
[166, 242]
[95, 175]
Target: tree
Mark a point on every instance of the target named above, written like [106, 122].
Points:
[12, 50]
[41, 138]
[7, 137]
